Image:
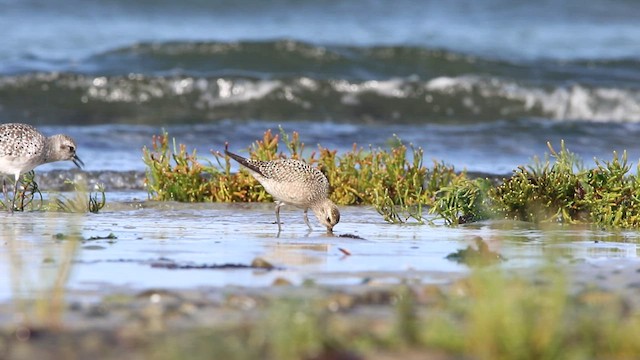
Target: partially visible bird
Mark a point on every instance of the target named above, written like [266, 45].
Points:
[23, 147]
[296, 183]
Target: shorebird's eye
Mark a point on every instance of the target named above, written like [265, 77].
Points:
[72, 149]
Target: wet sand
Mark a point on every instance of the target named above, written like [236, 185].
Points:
[138, 244]
[150, 266]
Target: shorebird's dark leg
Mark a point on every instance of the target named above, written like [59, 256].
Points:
[4, 192]
[15, 192]
[306, 219]
[279, 204]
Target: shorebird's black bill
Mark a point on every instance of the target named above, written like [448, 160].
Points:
[76, 160]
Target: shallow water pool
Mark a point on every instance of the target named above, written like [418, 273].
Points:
[182, 246]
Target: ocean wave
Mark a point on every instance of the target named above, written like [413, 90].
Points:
[573, 102]
[290, 59]
[55, 97]
[279, 58]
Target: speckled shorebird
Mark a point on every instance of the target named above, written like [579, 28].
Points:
[23, 147]
[296, 183]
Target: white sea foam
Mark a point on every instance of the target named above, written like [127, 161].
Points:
[574, 102]
[462, 96]
[235, 91]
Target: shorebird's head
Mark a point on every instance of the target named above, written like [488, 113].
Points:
[62, 147]
[328, 214]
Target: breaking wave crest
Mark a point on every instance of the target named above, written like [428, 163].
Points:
[179, 98]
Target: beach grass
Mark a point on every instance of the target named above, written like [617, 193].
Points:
[396, 182]
[491, 314]
[389, 179]
[392, 180]
[561, 189]
[39, 274]
[30, 198]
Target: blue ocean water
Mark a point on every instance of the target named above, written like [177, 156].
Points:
[558, 29]
[482, 84]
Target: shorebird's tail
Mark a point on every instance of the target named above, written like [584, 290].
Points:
[252, 165]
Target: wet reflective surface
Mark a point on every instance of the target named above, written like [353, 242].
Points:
[139, 244]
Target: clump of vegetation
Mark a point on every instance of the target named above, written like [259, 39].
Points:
[398, 185]
[462, 201]
[392, 180]
[178, 175]
[28, 191]
[507, 317]
[30, 197]
[481, 255]
[81, 201]
[545, 191]
[564, 191]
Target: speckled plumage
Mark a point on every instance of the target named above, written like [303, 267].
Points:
[23, 148]
[296, 183]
